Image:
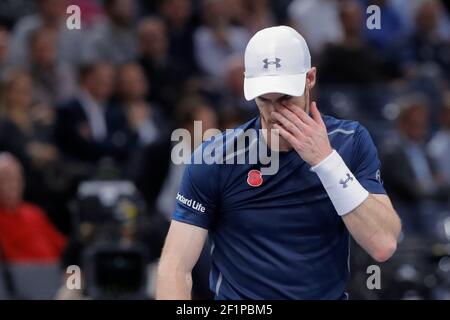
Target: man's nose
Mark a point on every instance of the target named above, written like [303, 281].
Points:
[278, 106]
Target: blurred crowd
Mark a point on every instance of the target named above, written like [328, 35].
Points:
[100, 102]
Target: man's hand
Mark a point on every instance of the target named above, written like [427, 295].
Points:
[307, 135]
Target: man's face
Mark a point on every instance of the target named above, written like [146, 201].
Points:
[101, 82]
[270, 102]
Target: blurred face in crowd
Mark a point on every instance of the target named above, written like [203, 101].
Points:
[177, 12]
[132, 84]
[4, 37]
[414, 122]
[426, 17]
[121, 12]
[270, 102]
[43, 48]
[100, 82]
[234, 76]
[351, 18]
[18, 90]
[153, 38]
[11, 182]
[215, 12]
[52, 11]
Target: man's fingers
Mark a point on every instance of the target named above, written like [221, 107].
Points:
[293, 117]
[289, 137]
[300, 113]
[316, 114]
[288, 124]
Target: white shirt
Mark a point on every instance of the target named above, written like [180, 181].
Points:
[439, 150]
[95, 115]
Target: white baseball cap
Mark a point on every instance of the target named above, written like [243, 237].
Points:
[276, 60]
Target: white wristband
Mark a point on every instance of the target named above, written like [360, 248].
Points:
[344, 190]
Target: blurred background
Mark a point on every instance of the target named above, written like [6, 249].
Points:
[86, 117]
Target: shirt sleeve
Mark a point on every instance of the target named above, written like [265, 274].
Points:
[196, 200]
[366, 163]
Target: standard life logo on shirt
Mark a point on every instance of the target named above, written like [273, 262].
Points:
[191, 203]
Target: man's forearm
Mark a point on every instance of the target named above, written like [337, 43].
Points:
[375, 226]
[173, 285]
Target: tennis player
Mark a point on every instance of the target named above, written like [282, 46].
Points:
[286, 235]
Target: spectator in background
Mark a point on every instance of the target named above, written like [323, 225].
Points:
[350, 61]
[88, 126]
[232, 95]
[304, 16]
[143, 117]
[165, 75]
[53, 80]
[426, 50]
[50, 14]
[26, 235]
[114, 39]
[178, 16]
[410, 174]
[26, 132]
[439, 146]
[4, 47]
[217, 39]
[406, 9]
[150, 159]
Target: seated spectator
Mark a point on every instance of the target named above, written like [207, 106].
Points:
[165, 75]
[217, 39]
[151, 157]
[50, 14]
[410, 175]
[232, 94]
[406, 9]
[439, 146]
[178, 16]
[426, 49]
[89, 127]
[144, 118]
[114, 39]
[26, 132]
[303, 16]
[53, 80]
[350, 61]
[26, 235]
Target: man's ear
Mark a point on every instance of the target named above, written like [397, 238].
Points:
[311, 78]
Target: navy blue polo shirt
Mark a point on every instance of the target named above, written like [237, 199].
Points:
[278, 237]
